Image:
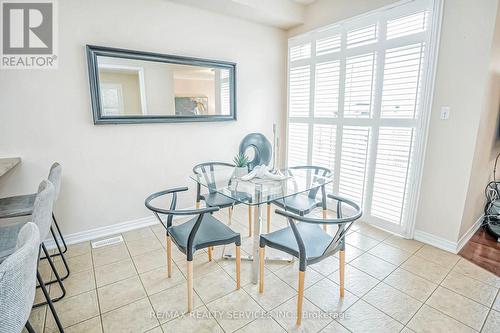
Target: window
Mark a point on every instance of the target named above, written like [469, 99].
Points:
[358, 105]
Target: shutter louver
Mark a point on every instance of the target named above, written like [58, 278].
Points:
[297, 144]
[327, 45]
[362, 36]
[300, 52]
[407, 25]
[327, 89]
[300, 78]
[402, 72]
[359, 86]
[353, 162]
[391, 173]
[324, 146]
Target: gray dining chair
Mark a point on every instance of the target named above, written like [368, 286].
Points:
[208, 170]
[305, 240]
[22, 205]
[299, 203]
[17, 281]
[203, 231]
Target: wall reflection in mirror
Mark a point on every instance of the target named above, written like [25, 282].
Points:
[159, 88]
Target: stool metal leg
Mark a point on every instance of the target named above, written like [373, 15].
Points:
[49, 302]
[55, 239]
[29, 328]
[60, 253]
[58, 280]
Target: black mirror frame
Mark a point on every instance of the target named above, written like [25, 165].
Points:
[94, 51]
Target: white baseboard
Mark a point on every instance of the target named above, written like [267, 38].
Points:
[435, 241]
[113, 229]
[472, 230]
[444, 244]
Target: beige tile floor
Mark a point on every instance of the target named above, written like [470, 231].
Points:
[392, 285]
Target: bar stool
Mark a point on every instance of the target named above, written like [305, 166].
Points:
[42, 210]
[22, 205]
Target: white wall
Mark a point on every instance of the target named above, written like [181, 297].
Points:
[45, 116]
[461, 81]
[488, 140]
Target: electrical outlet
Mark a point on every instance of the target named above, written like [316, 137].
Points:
[445, 112]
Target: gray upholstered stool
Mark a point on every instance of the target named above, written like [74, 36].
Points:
[17, 281]
[22, 205]
[42, 211]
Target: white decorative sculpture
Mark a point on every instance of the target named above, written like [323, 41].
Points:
[262, 172]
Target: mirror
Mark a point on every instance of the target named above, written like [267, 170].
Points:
[138, 87]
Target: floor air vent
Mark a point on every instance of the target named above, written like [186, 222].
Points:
[107, 242]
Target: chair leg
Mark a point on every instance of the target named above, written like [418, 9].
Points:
[60, 234]
[342, 271]
[209, 253]
[261, 270]
[300, 297]
[249, 221]
[230, 215]
[190, 285]
[197, 204]
[29, 328]
[324, 218]
[49, 302]
[238, 267]
[268, 218]
[58, 280]
[169, 256]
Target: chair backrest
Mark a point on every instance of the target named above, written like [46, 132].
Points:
[341, 221]
[55, 177]
[207, 170]
[17, 280]
[317, 171]
[42, 208]
[171, 212]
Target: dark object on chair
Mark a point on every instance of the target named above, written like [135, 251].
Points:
[300, 204]
[22, 205]
[203, 231]
[214, 199]
[308, 242]
[261, 146]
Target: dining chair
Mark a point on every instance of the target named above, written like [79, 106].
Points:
[22, 205]
[17, 281]
[207, 170]
[301, 204]
[203, 231]
[305, 240]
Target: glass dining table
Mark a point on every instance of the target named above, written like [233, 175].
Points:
[257, 192]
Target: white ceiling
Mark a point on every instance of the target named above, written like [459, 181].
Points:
[284, 14]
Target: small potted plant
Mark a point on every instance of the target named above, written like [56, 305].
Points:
[240, 165]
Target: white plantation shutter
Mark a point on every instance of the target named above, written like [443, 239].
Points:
[297, 150]
[299, 82]
[402, 72]
[225, 99]
[356, 102]
[326, 96]
[360, 76]
[324, 146]
[353, 162]
[391, 172]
